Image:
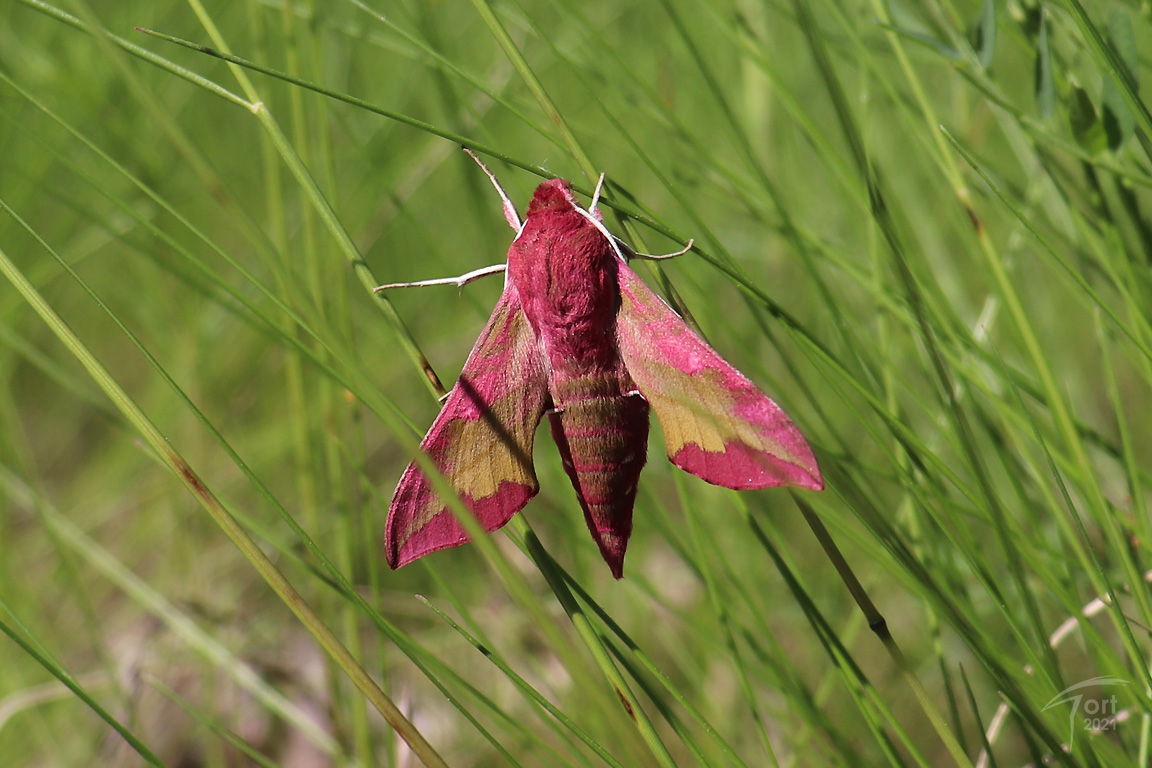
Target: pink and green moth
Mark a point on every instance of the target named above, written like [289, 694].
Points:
[578, 337]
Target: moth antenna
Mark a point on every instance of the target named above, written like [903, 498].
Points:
[596, 193]
[459, 282]
[661, 256]
[510, 213]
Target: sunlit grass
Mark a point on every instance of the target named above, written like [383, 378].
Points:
[922, 229]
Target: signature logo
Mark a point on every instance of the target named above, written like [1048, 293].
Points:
[1097, 713]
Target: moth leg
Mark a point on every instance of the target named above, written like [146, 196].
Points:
[657, 256]
[510, 213]
[459, 282]
[623, 251]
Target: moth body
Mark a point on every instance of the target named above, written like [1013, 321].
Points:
[565, 272]
[578, 336]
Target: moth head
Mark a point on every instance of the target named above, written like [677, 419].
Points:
[553, 196]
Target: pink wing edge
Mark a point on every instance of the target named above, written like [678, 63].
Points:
[661, 334]
[486, 374]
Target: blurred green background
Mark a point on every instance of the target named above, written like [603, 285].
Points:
[921, 227]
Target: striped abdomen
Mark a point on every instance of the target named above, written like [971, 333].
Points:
[601, 428]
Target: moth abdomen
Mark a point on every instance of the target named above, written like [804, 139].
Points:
[602, 435]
